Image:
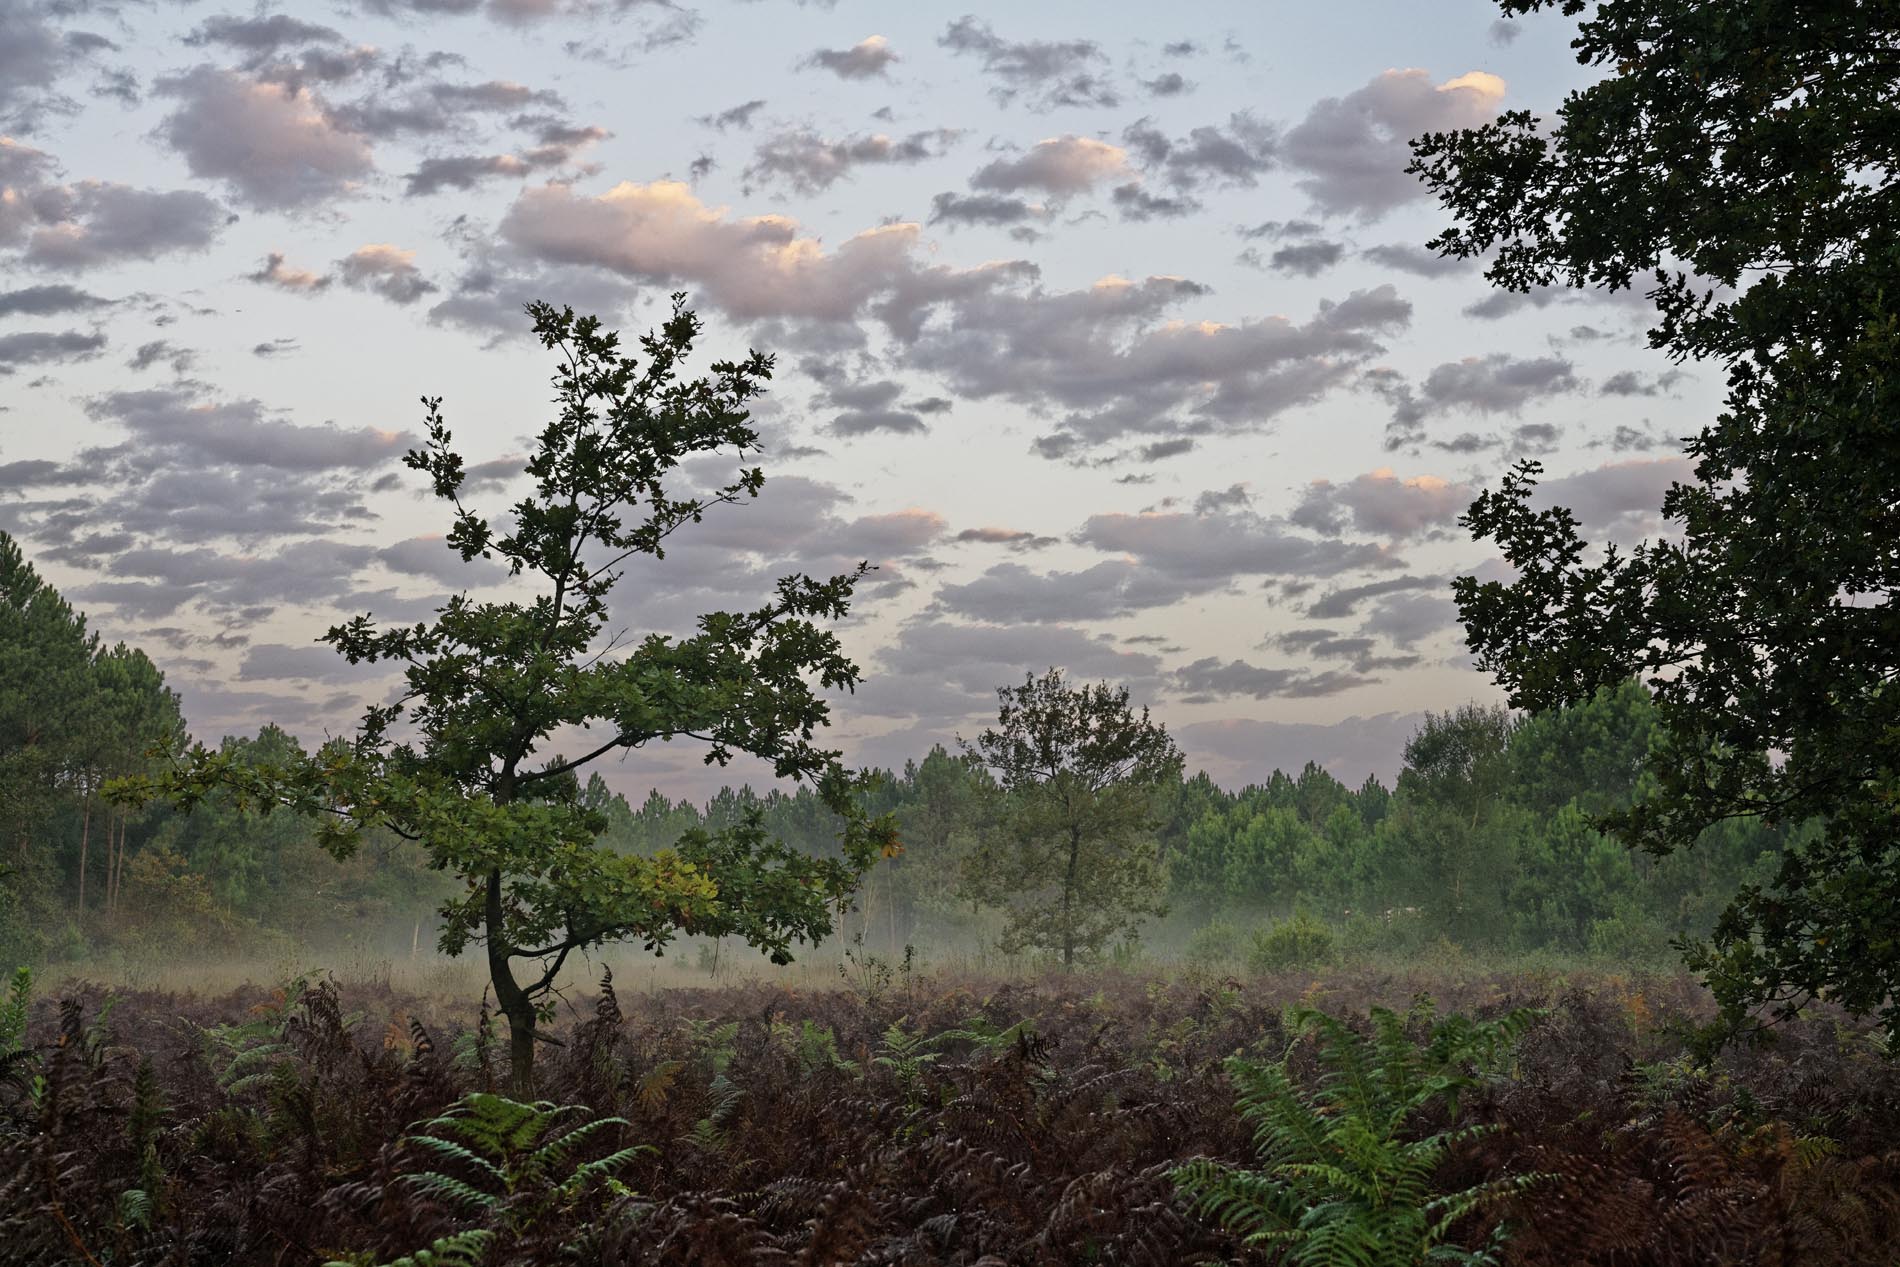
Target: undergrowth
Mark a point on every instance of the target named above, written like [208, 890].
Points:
[944, 1122]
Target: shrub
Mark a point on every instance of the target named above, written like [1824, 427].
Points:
[1216, 941]
[1301, 943]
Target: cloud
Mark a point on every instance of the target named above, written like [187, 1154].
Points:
[1306, 259]
[739, 116]
[810, 163]
[1352, 150]
[1620, 500]
[1381, 504]
[276, 272]
[262, 35]
[756, 267]
[948, 672]
[92, 223]
[47, 301]
[1014, 538]
[869, 58]
[268, 661]
[1495, 383]
[39, 347]
[1235, 156]
[1060, 166]
[385, 270]
[1044, 74]
[1338, 603]
[1213, 548]
[1115, 587]
[1209, 679]
[150, 354]
[1168, 84]
[465, 171]
[275, 145]
[1108, 364]
[1418, 261]
[172, 426]
[985, 209]
[431, 557]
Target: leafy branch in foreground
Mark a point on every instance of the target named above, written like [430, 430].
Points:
[1346, 1183]
[492, 686]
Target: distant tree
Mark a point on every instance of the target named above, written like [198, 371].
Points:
[492, 687]
[1072, 861]
[1455, 817]
[1742, 157]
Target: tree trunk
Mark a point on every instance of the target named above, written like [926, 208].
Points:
[513, 1000]
[85, 836]
[1068, 900]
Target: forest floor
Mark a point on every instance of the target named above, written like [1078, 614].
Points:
[896, 1118]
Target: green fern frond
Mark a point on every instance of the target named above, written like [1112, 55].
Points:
[452, 1191]
[464, 1249]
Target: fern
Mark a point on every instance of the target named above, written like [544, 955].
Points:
[516, 1162]
[1343, 1184]
[464, 1249]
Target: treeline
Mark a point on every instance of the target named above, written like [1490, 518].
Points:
[80, 875]
[1483, 841]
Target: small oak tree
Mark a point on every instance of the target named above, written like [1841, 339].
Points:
[463, 762]
[1072, 860]
[1743, 158]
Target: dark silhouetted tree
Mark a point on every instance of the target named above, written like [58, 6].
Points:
[1740, 160]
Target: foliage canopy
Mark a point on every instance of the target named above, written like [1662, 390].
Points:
[1742, 158]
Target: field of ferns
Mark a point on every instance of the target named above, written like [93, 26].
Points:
[1557, 1121]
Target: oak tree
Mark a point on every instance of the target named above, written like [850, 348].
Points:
[1738, 160]
[470, 759]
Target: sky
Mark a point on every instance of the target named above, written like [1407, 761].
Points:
[1108, 332]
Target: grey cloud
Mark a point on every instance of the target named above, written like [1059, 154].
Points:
[1627, 382]
[1103, 357]
[94, 223]
[261, 35]
[739, 116]
[47, 301]
[1352, 150]
[1059, 166]
[270, 661]
[869, 58]
[1014, 538]
[150, 354]
[1504, 32]
[1046, 74]
[1306, 259]
[1381, 504]
[1622, 500]
[276, 272]
[276, 146]
[810, 163]
[1209, 679]
[1408, 619]
[1495, 383]
[950, 671]
[433, 558]
[1338, 603]
[1169, 84]
[1235, 155]
[37, 347]
[751, 268]
[37, 472]
[171, 424]
[988, 209]
[858, 422]
[1010, 592]
[1417, 261]
[1137, 203]
[385, 270]
[1213, 549]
